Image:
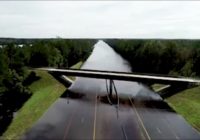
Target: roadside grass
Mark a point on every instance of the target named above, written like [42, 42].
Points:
[185, 103]
[45, 92]
[76, 66]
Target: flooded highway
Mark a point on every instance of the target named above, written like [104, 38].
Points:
[83, 112]
[105, 58]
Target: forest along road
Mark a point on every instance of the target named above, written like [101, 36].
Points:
[141, 113]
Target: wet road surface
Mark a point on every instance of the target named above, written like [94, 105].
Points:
[140, 114]
[90, 118]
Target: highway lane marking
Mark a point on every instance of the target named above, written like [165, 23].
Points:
[68, 126]
[166, 122]
[159, 131]
[171, 129]
[140, 120]
[95, 115]
[124, 132]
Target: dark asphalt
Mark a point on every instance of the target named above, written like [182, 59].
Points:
[90, 118]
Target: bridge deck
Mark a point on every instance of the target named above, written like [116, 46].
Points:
[123, 76]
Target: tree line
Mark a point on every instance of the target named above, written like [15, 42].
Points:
[15, 59]
[18, 55]
[171, 57]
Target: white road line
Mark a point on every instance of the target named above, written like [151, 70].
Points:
[171, 130]
[159, 131]
[140, 120]
[95, 115]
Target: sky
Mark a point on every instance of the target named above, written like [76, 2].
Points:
[100, 19]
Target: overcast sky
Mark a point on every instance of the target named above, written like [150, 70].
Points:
[98, 19]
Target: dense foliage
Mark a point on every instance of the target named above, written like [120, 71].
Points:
[52, 53]
[17, 55]
[173, 57]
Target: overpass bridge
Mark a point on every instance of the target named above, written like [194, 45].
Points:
[175, 83]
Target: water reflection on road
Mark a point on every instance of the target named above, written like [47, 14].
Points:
[104, 57]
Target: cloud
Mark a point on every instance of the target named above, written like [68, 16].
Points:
[100, 19]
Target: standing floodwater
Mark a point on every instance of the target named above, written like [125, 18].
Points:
[104, 57]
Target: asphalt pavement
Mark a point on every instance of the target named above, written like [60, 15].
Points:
[90, 117]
